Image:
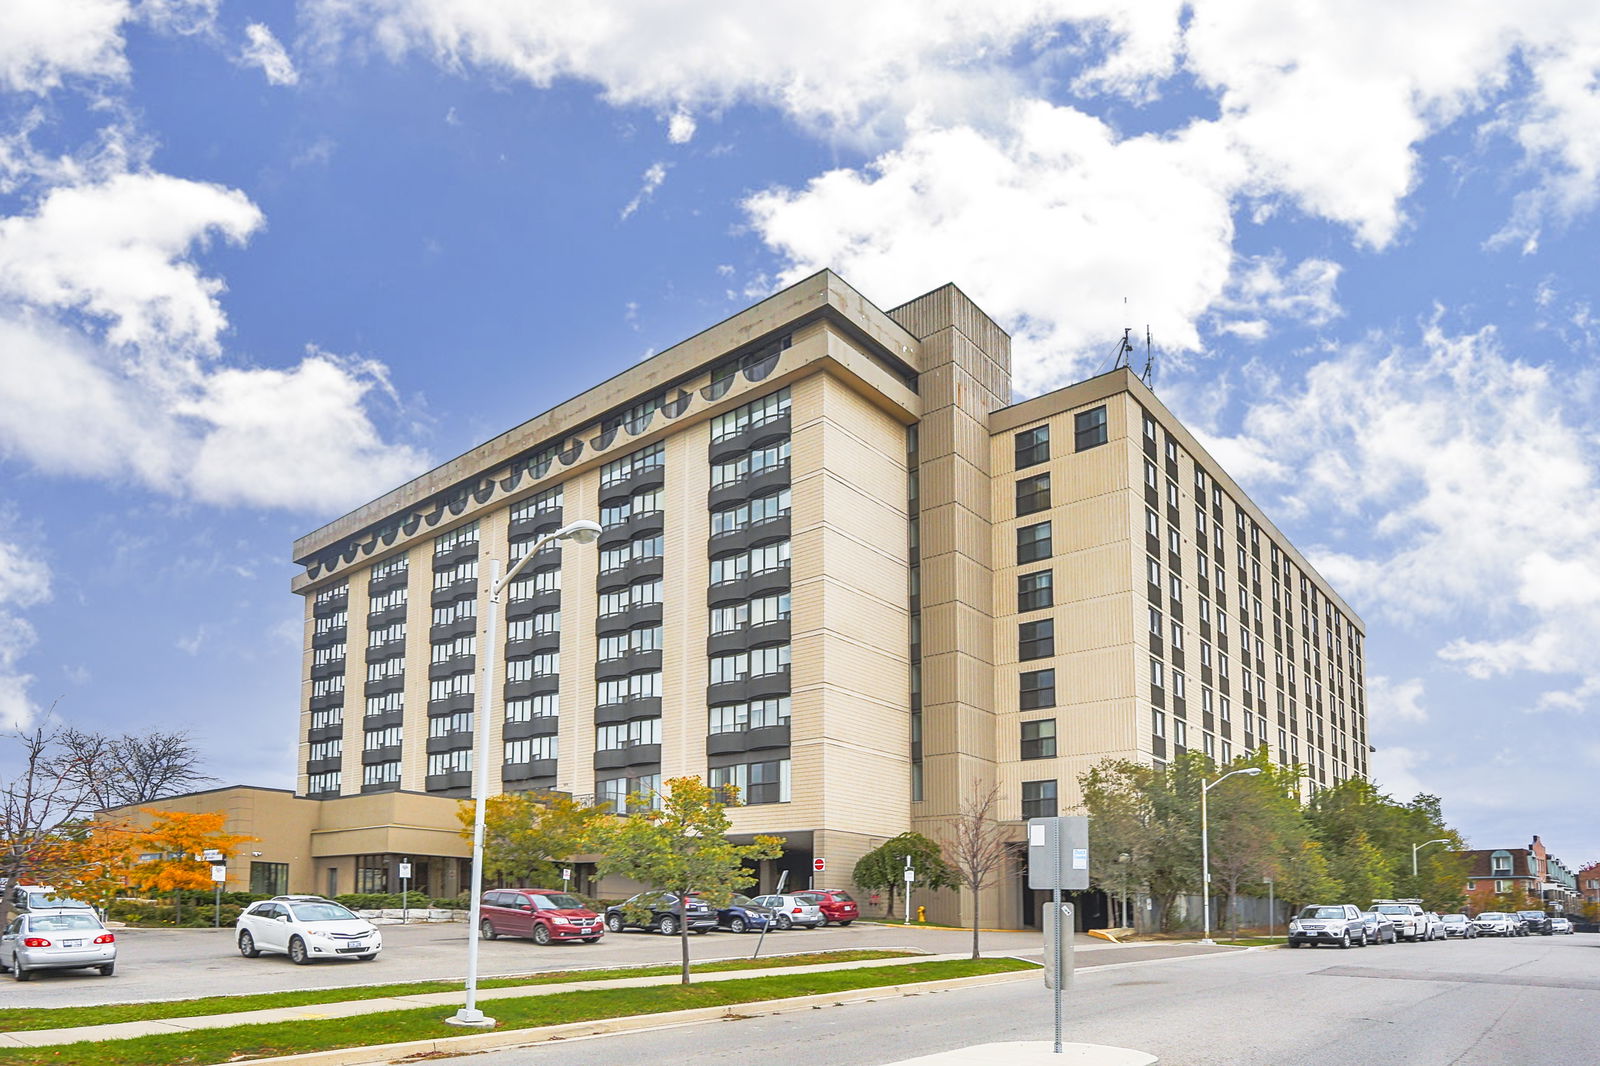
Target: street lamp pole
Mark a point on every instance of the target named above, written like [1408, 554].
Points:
[1418, 847]
[583, 532]
[1205, 846]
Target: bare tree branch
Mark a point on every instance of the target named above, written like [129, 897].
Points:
[977, 846]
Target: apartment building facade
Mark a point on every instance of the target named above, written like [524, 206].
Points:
[841, 571]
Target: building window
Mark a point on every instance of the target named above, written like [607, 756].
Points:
[450, 762]
[1033, 543]
[757, 782]
[317, 784]
[380, 773]
[1038, 799]
[1158, 723]
[768, 408]
[1036, 640]
[1038, 689]
[757, 714]
[626, 735]
[1034, 591]
[1180, 732]
[620, 470]
[269, 878]
[1033, 494]
[1155, 672]
[533, 749]
[1089, 429]
[1039, 739]
[1033, 446]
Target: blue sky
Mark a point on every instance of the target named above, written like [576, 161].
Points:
[261, 262]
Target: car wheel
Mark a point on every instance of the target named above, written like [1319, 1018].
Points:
[486, 930]
[368, 958]
[247, 946]
[669, 925]
[736, 924]
[1344, 939]
[614, 922]
[18, 971]
[108, 969]
[541, 935]
[1294, 943]
[298, 953]
[1363, 941]
[784, 922]
[591, 940]
[825, 919]
[843, 924]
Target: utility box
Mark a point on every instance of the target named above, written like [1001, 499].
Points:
[1058, 853]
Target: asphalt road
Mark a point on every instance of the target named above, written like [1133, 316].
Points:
[1478, 1003]
[184, 963]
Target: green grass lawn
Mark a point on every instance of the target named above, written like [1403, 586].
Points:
[1252, 941]
[15, 1019]
[289, 1038]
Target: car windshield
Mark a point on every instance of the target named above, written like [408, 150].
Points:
[1322, 912]
[322, 912]
[559, 901]
[1492, 916]
[60, 923]
[50, 903]
[1394, 908]
[1455, 919]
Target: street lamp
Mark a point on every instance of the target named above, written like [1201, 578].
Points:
[1418, 847]
[1205, 846]
[583, 532]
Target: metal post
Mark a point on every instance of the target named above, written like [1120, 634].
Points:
[469, 1014]
[1272, 911]
[216, 903]
[1205, 864]
[1060, 975]
[908, 893]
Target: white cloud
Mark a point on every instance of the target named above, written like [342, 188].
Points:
[43, 42]
[263, 50]
[680, 127]
[1262, 292]
[1459, 488]
[299, 438]
[117, 249]
[654, 175]
[1394, 771]
[24, 582]
[1390, 701]
[1014, 214]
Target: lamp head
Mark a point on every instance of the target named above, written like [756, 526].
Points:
[1249, 771]
[582, 531]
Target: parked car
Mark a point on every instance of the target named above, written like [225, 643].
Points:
[1406, 914]
[1496, 923]
[1433, 926]
[1457, 927]
[743, 915]
[1561, 926]
[306, 928]
[45, 898]
[1339, 924]
[838, 907]
[1380, 930]
[57, 940]
[792, 910]
[659, 911]
[542, 915]
[1536, 922]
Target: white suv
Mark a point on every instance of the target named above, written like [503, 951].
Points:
[306, 928]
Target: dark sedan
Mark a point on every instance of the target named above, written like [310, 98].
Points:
[660, 911]
[743, 915]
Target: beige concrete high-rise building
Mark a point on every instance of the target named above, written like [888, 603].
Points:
[840, 570]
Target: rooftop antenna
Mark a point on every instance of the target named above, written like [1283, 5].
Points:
[1149, 375]
[1124, 349]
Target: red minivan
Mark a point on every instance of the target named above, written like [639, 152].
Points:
[541, 914]
[837, 906]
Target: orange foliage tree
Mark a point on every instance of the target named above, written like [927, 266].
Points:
[173, 840]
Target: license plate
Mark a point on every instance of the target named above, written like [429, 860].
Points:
[350, 950]
[72, 943]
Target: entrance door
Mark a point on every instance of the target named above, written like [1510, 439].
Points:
[333, 881]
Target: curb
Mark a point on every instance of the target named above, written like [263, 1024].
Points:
[457, 1045]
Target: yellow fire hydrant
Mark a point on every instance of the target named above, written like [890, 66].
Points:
[922, 914]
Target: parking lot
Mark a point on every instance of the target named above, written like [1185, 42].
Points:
[186, 963]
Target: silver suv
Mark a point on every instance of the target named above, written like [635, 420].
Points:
[1339, 923]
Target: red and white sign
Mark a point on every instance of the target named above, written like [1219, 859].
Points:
[819, 865]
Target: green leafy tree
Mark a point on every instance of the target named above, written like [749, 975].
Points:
[1361, 871]
[1304, 876]
[1153, 816]
[1255, 824]
[680, 845]
[526, 835]
[883, 868]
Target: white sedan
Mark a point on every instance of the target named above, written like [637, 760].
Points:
[305, 929]
[791, 911]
